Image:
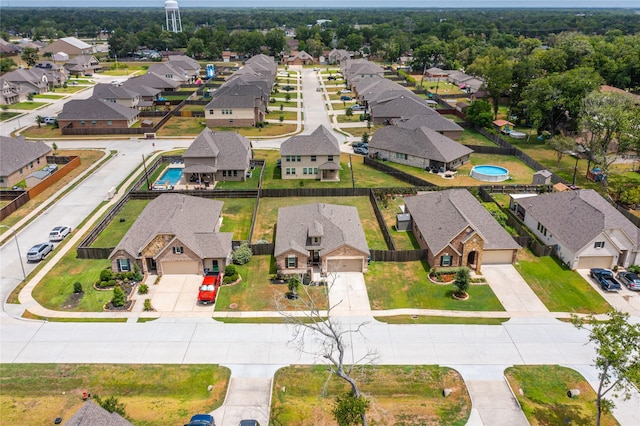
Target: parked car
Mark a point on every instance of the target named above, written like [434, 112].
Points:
[345, 98]
[318, 89]
[201, 420]
[48, 120]
[287, 88]
[345, 91]
[331, 77]
[39, 252]
[630, 279]
[316, 69]
[249, 423]
[360, 145]
[361, 151]
[51, 168]
[59, 233]
[208, 291]
[605, 278]
[357, 107]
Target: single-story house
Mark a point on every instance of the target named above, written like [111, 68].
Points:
[69, 45]
[175, 234]
[420, 147]
[587, 230]
[434, 121]
[314, 156]
[91, 414]
[217, 156]
[299, 58]
[325, 236]
[95, 113]
[456, 230]
[20, 158]
[82, 64]
[116, 94]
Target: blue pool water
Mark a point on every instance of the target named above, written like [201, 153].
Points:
[490, 173]
[171, 176]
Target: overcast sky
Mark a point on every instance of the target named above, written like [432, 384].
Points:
[577, 4]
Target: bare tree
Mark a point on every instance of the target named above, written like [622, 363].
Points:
[318, 332]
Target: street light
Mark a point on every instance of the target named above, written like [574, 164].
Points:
[15, 236]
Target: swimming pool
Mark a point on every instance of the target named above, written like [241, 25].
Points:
[170, 177]
[489, 173]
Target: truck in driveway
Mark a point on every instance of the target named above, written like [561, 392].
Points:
[208, 291]
[606, 279]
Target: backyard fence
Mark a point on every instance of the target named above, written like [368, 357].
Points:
[20, 198]
[398, 255]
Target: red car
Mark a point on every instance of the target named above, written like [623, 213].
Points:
[209, 288]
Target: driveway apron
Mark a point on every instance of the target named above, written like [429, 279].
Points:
[512, 290]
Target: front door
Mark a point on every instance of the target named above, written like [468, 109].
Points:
[151, 265]
[471, 259]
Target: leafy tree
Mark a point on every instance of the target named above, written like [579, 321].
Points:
[354, 41]
[195, 48]
[461, 281]
[275, 40]
[365, 137]
[39, 120]
[30, 56]
[349, 112]
[479, 113]
[6, 64]
[561, 144]
[55, 148]
[111, 404]
[349, 409]
[118, 297]
[293, 285]
[242, 254]
[617, 342]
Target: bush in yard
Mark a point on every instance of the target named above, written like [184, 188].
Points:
[77, 287]
[106, 275]
[118, 297]
[143, 289]
[230, 270]
[111, 283]
[242, 254]
[136, 275]
[461, 281]
[293, 285]
[147, 305]
[111, 404]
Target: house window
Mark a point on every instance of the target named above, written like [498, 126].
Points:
[292, 262]
[93, 122]
[298, 158]
[598, 244]
[82, 123]
[542, 229]
[313, 158]
[109, 122]
[38, 161]
[31, 164]
[211, 111]
[401, 156]
[20, 170]
[178, 250]
[235, 173]
[445, 260]
[288, 171]
[304, 170]
[224, 173]
[315, 170]
[330, 158]
[124, 265]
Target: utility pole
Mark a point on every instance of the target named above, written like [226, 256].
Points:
[146, 175]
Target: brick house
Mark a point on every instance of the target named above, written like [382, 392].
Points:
[95, 113]
[314, 156]
[20, 158]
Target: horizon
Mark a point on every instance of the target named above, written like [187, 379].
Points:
[330, 4]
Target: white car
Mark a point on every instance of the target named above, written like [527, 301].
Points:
[345, 91]
[316, 69]
[39, 252]
[59, 233]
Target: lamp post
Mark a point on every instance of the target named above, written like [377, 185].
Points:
[15, 236]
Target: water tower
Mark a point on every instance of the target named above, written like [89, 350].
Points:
[173, 16]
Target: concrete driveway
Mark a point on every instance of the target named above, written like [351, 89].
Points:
[512, 290]
[178, 294]
[348, 294]
[624, 300]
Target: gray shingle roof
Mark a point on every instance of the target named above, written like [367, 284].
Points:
[154, 80]
[432, 121]
[421, 142]
[401, 106]
[338, 226]
[576, 217]
[320, 142]
[91, 414]
[441, 216]
[109, 91]
[17, 152]
[231, 150]
[95, 109]
[192, 220]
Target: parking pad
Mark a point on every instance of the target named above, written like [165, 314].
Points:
[178, 293]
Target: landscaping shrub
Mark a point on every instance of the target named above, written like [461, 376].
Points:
[106, 275]
[111, 404]
[230, 270]
[111, 283]
[118, 297]
[77, 287]
[461, 281]
[136, 275]
[147, 305]
[634, 268]
[143, 289]
[242, 254]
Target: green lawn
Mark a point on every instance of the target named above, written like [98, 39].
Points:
[48, 96]
[236, 216]
[69, 89]
[113, 233]
[544, 396]
[182, 126]
[249, 183]
[268, 216]
[8, 115]
[286, 115]
[404, 240]
[28, 105]
[153, 395]
[560, 288]
[473, 137]
[394, 285]
[275, 106]
[400, 395]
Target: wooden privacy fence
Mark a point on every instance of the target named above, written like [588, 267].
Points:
[398, 255]
[18, 201]
[54, 177]
[392, 171]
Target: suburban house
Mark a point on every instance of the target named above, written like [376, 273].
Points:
[464, 81]
[228, 56]
[117, 94]
[154, 81]
[69, 45]
[314, 156]
[56, 74]
[324, 236]
[217, 156]
[95, 113]
[8, 49]
[148, 94]
[189, 65]
[171, 71]
[26, 81]
[387, 110]
[436, 74]
[91, 414]
[20, 158]
[456, 230]
[299, 58]
[587, 231]
[9, 93]
[337, 56]
[434, 121]
[175, 234]
[82, 64]
[420, 147]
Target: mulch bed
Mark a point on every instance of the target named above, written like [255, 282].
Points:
[127, 305]
[73, 301]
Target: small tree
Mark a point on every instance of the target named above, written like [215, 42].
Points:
[479, 113]
[287, 97]
[55, 148]
[281, 118]
[281, 107]
[461, 282]
[365, 137]
[561, 144]
[242, 254]
[349, 409]
[77, 287]
[349, 112]
[39, 120]
[118, 297]
[106, 274]
[111, 404]
[617, 342]
[293, 284]
[30, 97]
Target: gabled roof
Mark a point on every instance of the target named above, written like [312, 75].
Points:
[577, 217]
[338, 225]
[153, 80]
[443, 215]
[169, 68]
[17, 152]
[109, 91]
[421, 142]
[81, 60]
[192, 220]
[320, 142]
[76, 42]
[234, 98]
[184, 62]
[95, 109]
[231, 150]
[22, 75]
[138, 86]
[91, 414]
[433, 121]
[401, 106]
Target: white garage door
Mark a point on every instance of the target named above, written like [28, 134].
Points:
[344, 265]
[181, 268]
[588, 262]
[497, 257]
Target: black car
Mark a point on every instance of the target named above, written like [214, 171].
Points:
[360, 145]
[331, 77]
[630, 279]
[361, 151]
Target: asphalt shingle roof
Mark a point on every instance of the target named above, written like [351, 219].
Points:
[432, 121]
[320, 142]
[17, 152]
[441, 216]
[91, 414]
[421, 142]
[95, 109]
[109, 91]
[231, 150]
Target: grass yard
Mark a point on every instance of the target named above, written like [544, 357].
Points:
[250, 183]
[400, 395]
[7, 115]
[404, 240]
[426, 319]
[473, 137]
[28, 105]
[359, 131]
[393, 285]
[113, 233]
[286, 115]
[344, 118]
[559, 288]
[270, 129]
[45, 131]
[87, 159]
[182, 126]
[256, 293]
[236, 216]
[55, 290]
[71, 89]
[544, 399]
[48, 96]
[153, 395]
[268, 217]
[198, 108]
[273, 106]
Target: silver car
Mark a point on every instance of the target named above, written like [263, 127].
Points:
[59, 233]
[39, 252]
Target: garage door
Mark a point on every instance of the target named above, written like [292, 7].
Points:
[588, 262]
[344, 265]
[497, 257]
[181, 268]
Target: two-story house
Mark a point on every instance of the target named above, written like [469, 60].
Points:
[315, 156]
